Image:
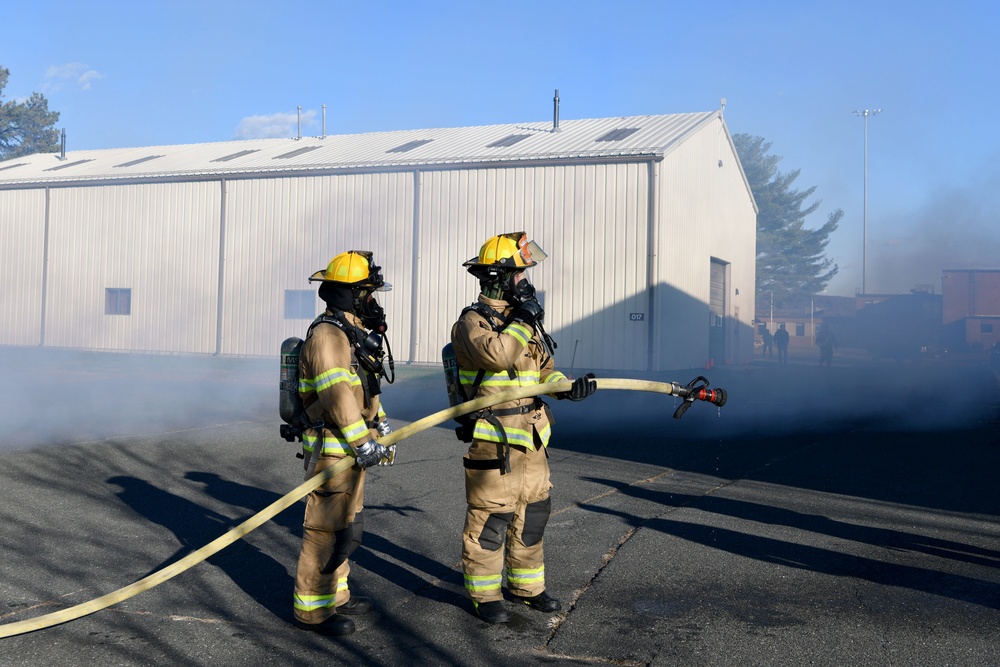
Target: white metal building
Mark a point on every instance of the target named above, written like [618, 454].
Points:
[648, 222]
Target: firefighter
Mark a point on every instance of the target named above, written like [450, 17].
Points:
[339, 369]
[499, 343]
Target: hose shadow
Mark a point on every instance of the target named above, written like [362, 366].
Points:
[367, 555]
[816, 559]
[260, 576]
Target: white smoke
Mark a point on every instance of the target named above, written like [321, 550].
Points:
[954, 228]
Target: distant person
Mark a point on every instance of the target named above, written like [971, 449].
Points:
[781, 342]
[768, 343]
[827, 343]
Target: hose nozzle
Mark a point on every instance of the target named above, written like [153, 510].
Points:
[697, 390]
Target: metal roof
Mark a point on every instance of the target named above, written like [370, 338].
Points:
[598, 138]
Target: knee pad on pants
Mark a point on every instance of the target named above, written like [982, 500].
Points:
[357, 532]
[536, 516]
[495, 530]
[345, 541]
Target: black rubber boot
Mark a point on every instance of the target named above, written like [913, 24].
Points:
[542, 602]
[337, 625]
[492, 612]
[356, 606]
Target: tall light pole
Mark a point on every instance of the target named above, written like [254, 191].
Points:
[864, 248]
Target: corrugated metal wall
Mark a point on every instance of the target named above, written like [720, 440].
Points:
[179, 245]
[705, 212]
[590, 219]
[159, 240]
[22, 239]
[281, 230]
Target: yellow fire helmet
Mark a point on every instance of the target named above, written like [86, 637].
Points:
[510, 251]
[354, 268]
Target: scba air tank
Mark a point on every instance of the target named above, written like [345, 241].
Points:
[289, 402]
[451, 380]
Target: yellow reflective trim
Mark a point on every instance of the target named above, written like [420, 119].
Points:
[332, 444]
[501, 379]
[544, 434]
[355, 431]
[520, 331]
[482, 583]
[327, 379]
[515, 436]
[555, 376]
[313, 602]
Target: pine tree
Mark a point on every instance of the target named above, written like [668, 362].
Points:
[26, 127]
[791, 262]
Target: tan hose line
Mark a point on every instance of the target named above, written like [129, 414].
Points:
[299, 492]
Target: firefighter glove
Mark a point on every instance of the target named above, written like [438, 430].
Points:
[370, 453]
[390, 456]
[383, 428]
[582, 388]
[529, 312]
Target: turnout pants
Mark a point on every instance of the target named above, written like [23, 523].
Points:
[505, 522]
[331, 531]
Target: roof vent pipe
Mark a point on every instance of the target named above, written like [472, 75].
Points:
[62, 145]
[555, 112]
[324, 121]
[300, 124]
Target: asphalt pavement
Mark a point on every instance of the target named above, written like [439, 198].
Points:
[825, 516]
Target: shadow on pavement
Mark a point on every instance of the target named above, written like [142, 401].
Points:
[260, 576]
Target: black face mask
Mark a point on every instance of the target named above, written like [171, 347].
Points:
[520, 292]
[371, 313]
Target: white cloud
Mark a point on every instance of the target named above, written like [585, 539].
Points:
[80, 74]
[274, 126]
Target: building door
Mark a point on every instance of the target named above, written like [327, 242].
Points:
[717, 312]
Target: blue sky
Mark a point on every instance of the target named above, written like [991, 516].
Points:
[155, 72]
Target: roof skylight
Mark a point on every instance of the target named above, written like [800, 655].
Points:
[618, 135]
[139, 161]
[297, 152]
[509, 140]
[69, 164]
[409, 146]
[233, 156]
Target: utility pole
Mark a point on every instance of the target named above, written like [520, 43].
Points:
[864, 248]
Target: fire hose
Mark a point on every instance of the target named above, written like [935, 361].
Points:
[697, 389]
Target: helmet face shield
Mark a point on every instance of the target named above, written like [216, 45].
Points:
[535, 252]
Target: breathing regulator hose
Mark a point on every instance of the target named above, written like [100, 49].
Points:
[695, 390]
